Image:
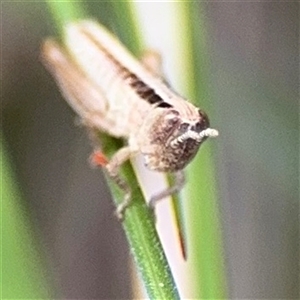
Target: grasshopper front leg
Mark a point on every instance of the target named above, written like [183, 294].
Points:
[113, 170]
[175, 188]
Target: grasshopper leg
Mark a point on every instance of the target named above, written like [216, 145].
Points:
[152, 60]
[178, 185]
[112, 168]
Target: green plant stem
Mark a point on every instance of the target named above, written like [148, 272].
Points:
[23, 268]
[139, 223]
[142, 236]
[203, 225]
[65, 11]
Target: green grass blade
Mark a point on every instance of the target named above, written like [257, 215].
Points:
[203, 225]
[183, 27]
[142, 236]
[126, 27]
[23, 273]
[200, 207]
[65, 11]
[139, 224]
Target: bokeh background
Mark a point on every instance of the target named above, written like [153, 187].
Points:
[254, 80]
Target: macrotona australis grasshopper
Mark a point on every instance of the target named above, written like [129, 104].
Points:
[113, 92]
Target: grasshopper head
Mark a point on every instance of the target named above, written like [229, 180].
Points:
[169, 142]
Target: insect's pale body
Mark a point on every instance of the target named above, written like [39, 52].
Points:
[113, 92]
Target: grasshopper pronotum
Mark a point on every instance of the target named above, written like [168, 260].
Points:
[113, 92]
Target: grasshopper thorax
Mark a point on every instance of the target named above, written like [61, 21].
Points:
[168, 141]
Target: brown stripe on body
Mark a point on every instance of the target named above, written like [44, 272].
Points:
[141, 88]
[146, 92]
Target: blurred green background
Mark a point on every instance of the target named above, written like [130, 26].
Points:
[253, 81]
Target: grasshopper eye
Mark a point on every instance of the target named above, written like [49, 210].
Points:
[183, 127]
[199, 126]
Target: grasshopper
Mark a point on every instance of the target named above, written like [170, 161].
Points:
[113, 92]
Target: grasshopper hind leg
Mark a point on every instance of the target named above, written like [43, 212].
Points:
[152, 60]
